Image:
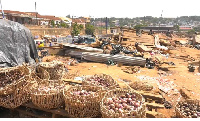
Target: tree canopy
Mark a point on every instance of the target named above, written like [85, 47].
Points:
[76, 29]
[89, 29]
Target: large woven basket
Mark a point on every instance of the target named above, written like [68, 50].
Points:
[17, 98]
[139, 113]
[50, 99]
[55, 69]
[79, 107]
[107, 78]
[179, 114]
[10, 88]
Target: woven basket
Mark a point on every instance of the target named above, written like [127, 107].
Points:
[79, 107]
[55, 69]
[139, 113]
[17, 98]
[107, 78]
[179, 114]
[50, 99]
[10, 88]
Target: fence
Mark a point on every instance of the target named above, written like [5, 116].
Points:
[64, 40]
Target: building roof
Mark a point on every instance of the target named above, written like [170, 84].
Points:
[79, 20]
[65, 19]
[31, 14]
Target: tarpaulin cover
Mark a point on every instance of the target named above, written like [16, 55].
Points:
[16, 44]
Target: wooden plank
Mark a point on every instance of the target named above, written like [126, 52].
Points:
[54, 111]
[72, 81]
[151, 96]
[154, 105]
[152, 114]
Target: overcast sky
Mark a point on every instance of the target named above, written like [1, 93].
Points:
[107, 8]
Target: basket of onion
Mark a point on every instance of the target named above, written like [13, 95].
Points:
[188, 109]
[100, 80]
[13, 78]
[122, 104]
[47, 94]
[19, 96]
[83, 101]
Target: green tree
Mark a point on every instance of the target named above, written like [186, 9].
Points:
[89, 29]
[138, 27]
[176, 28]
[64, 25]
[191, 32]
[75, 30]
[80, 26]
[53, 23]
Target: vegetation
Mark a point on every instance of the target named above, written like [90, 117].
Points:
[138, 27]
[89, 29]
[76, 29]
[191, 32]
[64, 25]
[177, 28]
[53, 23]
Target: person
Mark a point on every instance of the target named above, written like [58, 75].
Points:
[50, 44]
[150, 32]
[168, 33]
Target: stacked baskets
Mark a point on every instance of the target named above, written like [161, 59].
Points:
[47, 92]
[55, 69]
[139, 112]
[14, 86]
[79, 105]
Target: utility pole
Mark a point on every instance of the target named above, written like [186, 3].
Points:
[2, 10]
[159, 23]
[36, 14]
[106, 25]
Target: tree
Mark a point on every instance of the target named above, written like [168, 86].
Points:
[76, 29]
[176, 28]
[80, 26]
[138, 27]
[191, 32]
[53, 23]
[64, 25]
[89, 29]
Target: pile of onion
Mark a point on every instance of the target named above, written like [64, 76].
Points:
[189, 110]
[10, 77]
[49, 89]
[124, 103]
[98, 81]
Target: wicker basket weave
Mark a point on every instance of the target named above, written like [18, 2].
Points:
[17, 98]
[139, 113]
[79, 107]
[55, 69]
[107, 78]
[10, 88]
[179, 114]
[50, 99]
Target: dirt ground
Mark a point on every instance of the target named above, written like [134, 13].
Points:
[178, 74]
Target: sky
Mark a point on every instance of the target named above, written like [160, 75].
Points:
[107, 8]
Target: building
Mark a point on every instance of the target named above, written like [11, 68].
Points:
[158, 29]
[79, 21]
[17, 16]
[32, 18]
[185, 28]
[66, 20]
[115, 30]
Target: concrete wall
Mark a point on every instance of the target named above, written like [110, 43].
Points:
[49, 31]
